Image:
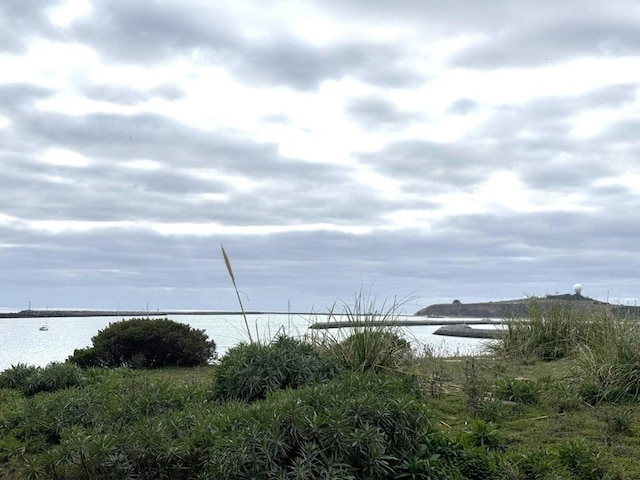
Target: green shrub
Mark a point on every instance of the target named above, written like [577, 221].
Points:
[17, 376]
[518, 390]
[357, 426]
[9, 447]
[249, 372]
[426, 465]
[449, 459]
[491, 410]
[475, 464]
[41, 422]
[540, 464]
[133, 424]
[31, 380]
[564, 396]
[620, 422]
[147, 343]
[85, 357]
[582, 459]
[481, 434]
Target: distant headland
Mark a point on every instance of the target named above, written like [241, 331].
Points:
[520, 307]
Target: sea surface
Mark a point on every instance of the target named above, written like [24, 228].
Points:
[21, 341]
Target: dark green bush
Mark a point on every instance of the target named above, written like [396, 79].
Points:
[17, 376]
[146, 343]
[249, 372]
[357, 426]
[31, 380]
[131, 424]
[436, 457]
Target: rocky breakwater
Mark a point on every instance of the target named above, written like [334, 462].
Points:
[465, 331]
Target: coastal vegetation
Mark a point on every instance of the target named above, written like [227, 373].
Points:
[146, 343]
[556, 397]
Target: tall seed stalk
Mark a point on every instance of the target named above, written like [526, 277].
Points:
[233, 279]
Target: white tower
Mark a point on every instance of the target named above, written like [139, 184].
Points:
[577, 288]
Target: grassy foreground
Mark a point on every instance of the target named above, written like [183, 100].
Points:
[557, 398]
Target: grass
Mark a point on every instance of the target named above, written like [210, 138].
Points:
[610, 361]
[370, 343]
[547, 333]
[227, 264]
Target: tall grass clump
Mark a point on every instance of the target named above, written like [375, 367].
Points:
[368, 341]
[549, 333]
[609, 363]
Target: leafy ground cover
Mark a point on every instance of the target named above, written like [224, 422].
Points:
[360, 406]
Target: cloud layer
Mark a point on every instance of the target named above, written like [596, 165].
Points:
[435, 151]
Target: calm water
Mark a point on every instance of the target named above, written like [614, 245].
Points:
[21, 341]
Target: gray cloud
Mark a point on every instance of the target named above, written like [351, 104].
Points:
[622, 131]
[124, 137]
[463, 106]
[151, 33]
[435, 166]
[14, 96]
[508, 34]
[595, 31]
[550, 120]
[376, 112]
[293, 62]
[287, 191]
[129, 96]
[23, 20]
[154, 31]
[533, 141]
[442, 17]
[290, 61]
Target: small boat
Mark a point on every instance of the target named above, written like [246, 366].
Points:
[43, 328]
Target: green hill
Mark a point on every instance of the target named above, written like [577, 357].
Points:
[519, 308]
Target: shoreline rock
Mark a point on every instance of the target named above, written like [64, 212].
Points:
[464, 330]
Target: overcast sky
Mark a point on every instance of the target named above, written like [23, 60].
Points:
[438, 150]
